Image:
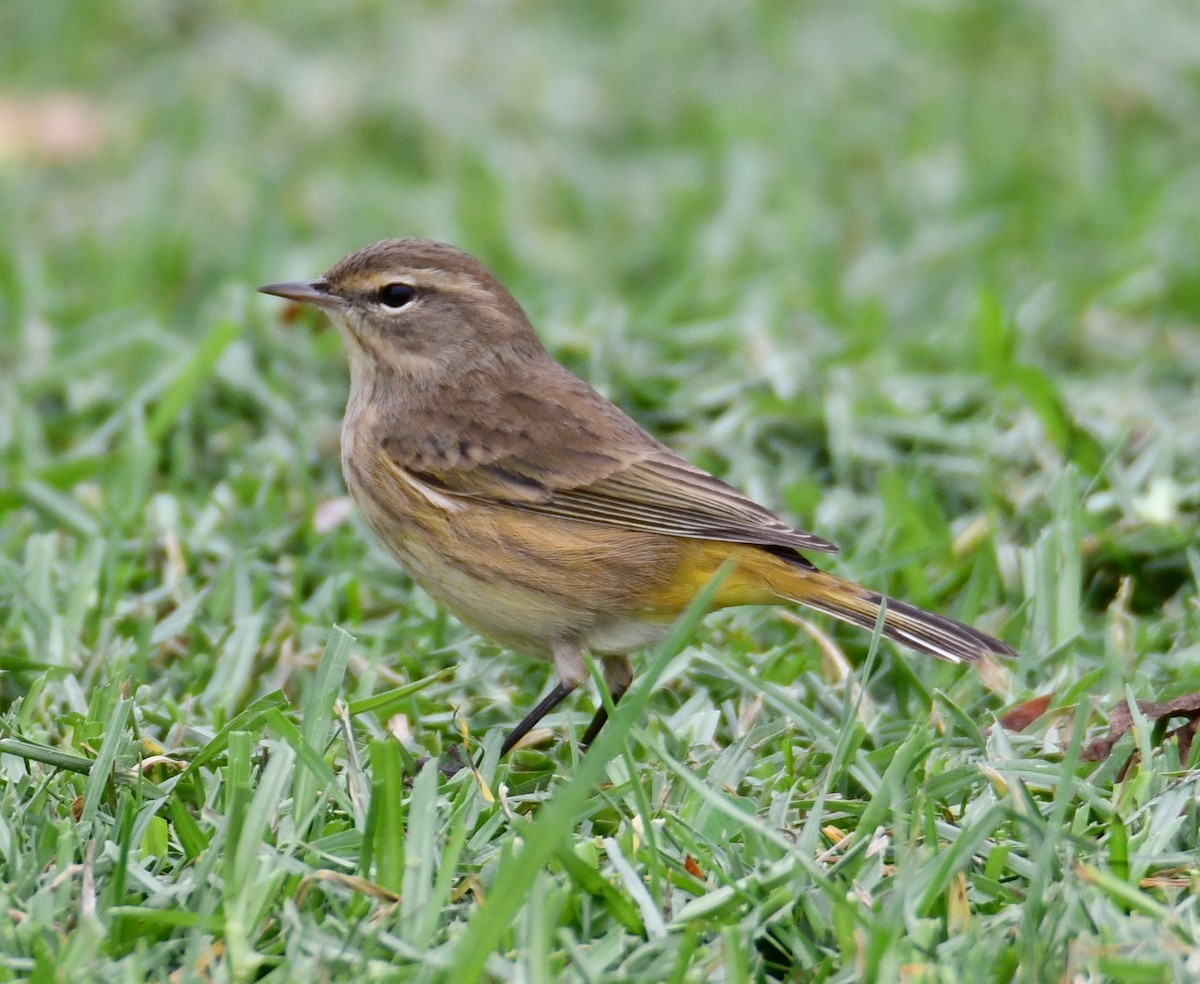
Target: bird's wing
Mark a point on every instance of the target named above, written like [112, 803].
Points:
[663, 493]
[565, 465]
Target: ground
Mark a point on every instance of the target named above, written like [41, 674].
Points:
[922, 277]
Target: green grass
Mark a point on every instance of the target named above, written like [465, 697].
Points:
[923, 277]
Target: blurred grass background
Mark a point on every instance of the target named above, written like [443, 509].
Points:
[922, 276]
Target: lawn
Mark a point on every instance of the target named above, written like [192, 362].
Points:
[922, 277]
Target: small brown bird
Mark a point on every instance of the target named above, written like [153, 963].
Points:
[532, 507]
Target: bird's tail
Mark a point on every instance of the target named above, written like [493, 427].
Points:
[903, 623]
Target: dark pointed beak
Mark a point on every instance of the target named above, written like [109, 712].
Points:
[305, 291]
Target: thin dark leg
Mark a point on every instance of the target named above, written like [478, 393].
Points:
[544, 707]
[593, 729]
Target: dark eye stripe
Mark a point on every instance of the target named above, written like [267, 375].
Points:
[395, 295]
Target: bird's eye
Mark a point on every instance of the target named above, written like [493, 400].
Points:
[395, 295]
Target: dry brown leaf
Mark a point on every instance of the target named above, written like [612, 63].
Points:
[1023, 715]
[355, 883]
[1121, 720]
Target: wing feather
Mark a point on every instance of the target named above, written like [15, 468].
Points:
[560, 449]
[658, 493]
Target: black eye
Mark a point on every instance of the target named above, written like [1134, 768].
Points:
[395, 295]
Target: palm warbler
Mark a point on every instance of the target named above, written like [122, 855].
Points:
[528, 504]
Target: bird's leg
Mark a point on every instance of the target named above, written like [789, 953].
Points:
[544, 707]
[618, 675]
[571, 672]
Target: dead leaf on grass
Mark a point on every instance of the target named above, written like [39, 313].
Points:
[1023, 715]
[1121, 720]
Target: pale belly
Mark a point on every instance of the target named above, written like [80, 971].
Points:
[521, 618]
[508, 588]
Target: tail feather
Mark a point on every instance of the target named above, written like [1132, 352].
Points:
[906, 624]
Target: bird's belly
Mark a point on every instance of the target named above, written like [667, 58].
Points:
[621, 636]
[503, 610]
[526, 617]
[525, 581]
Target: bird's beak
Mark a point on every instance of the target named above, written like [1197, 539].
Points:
[315, 292]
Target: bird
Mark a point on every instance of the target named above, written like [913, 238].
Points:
[533, 508]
